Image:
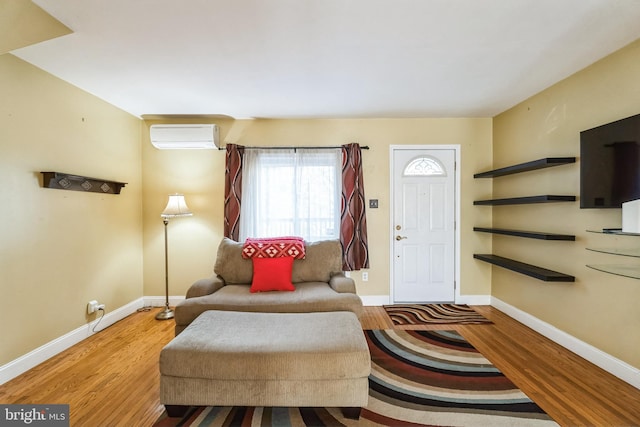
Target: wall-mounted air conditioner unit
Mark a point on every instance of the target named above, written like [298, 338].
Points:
[184, 137]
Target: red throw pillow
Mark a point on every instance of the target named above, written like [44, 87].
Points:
[272, 274]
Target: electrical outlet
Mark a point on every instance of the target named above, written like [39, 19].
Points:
[365, 276]
[92, 306]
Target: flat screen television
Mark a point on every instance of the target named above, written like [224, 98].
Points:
[610, 164]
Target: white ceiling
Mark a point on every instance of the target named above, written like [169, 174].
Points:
[327, 58]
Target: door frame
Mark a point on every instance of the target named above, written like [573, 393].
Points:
[456, 201]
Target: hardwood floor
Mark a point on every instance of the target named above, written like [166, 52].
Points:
[109, 379]
[112, 378]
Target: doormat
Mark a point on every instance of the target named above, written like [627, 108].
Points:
[434, 314]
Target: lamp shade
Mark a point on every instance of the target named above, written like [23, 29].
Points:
[176, 207]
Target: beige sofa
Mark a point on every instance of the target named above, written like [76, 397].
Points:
[320, 284]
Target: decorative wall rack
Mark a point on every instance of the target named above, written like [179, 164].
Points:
[65, 181]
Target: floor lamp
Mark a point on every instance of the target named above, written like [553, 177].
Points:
[176, 207]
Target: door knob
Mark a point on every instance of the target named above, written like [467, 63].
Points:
[398, 238]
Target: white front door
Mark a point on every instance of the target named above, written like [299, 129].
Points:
[423, 223]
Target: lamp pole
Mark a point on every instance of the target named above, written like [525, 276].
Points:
[176, 207]
[167, 313]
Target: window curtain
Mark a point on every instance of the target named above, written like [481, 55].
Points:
[257, 188]
[353, 219]
[233, 190]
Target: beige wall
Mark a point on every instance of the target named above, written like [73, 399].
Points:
[200, 176]
[59, 249]
[599, 308]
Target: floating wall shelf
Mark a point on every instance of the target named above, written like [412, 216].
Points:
[632, 252]
[525, 200]
[510, 264]
[65, 181]
[626, 270]
[528, 166]
[614, 231]
[526, 269]
[527, 234]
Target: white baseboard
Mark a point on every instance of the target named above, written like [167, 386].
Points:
[611, 364]
[160, 301]
[50, 349]
[474, 299]
[373, 300]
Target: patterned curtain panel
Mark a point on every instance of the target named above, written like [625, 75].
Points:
[232, 190]
[353, 221]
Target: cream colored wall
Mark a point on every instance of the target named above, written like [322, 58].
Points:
[59, 249]
[200, 176]
[599, 308]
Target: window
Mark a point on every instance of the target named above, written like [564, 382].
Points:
[424, 166]
[291, 193]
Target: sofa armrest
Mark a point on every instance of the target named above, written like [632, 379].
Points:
[205, 286]
[342, 284]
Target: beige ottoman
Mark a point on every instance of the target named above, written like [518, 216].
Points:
[226, 358]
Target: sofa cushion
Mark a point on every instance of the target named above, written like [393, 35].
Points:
[308, 297]
[322, 260]
[272, 274]
[230, 265]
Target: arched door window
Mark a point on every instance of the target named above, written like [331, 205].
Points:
[424, 166]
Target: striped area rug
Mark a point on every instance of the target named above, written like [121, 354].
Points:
[419, 378]
[433, 314]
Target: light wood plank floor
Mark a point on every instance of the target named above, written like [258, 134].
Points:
[112, 378]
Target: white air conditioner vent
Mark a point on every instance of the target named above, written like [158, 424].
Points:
[184, 137]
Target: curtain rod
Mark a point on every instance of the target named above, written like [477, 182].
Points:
[363, 147]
